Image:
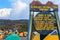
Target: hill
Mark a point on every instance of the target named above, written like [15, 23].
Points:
[20, 25]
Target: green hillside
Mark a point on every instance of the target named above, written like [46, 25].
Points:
[20, 25]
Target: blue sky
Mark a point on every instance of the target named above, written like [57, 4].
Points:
[18, 9]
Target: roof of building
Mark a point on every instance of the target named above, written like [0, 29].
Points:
[49, 3]
[36, 3]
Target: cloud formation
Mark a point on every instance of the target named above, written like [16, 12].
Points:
[19, 9]
[5, 12]
[18, 6]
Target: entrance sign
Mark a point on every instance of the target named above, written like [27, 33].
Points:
[43, 19]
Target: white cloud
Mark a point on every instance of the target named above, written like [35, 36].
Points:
[19, 9]
[5, 12]
[18, 6]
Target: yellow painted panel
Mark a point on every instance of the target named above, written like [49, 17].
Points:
[36, 37]
[52, 37]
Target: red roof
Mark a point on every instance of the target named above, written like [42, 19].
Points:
[49, 3]
[36, 3]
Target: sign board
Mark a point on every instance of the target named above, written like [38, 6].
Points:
[44, 19]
